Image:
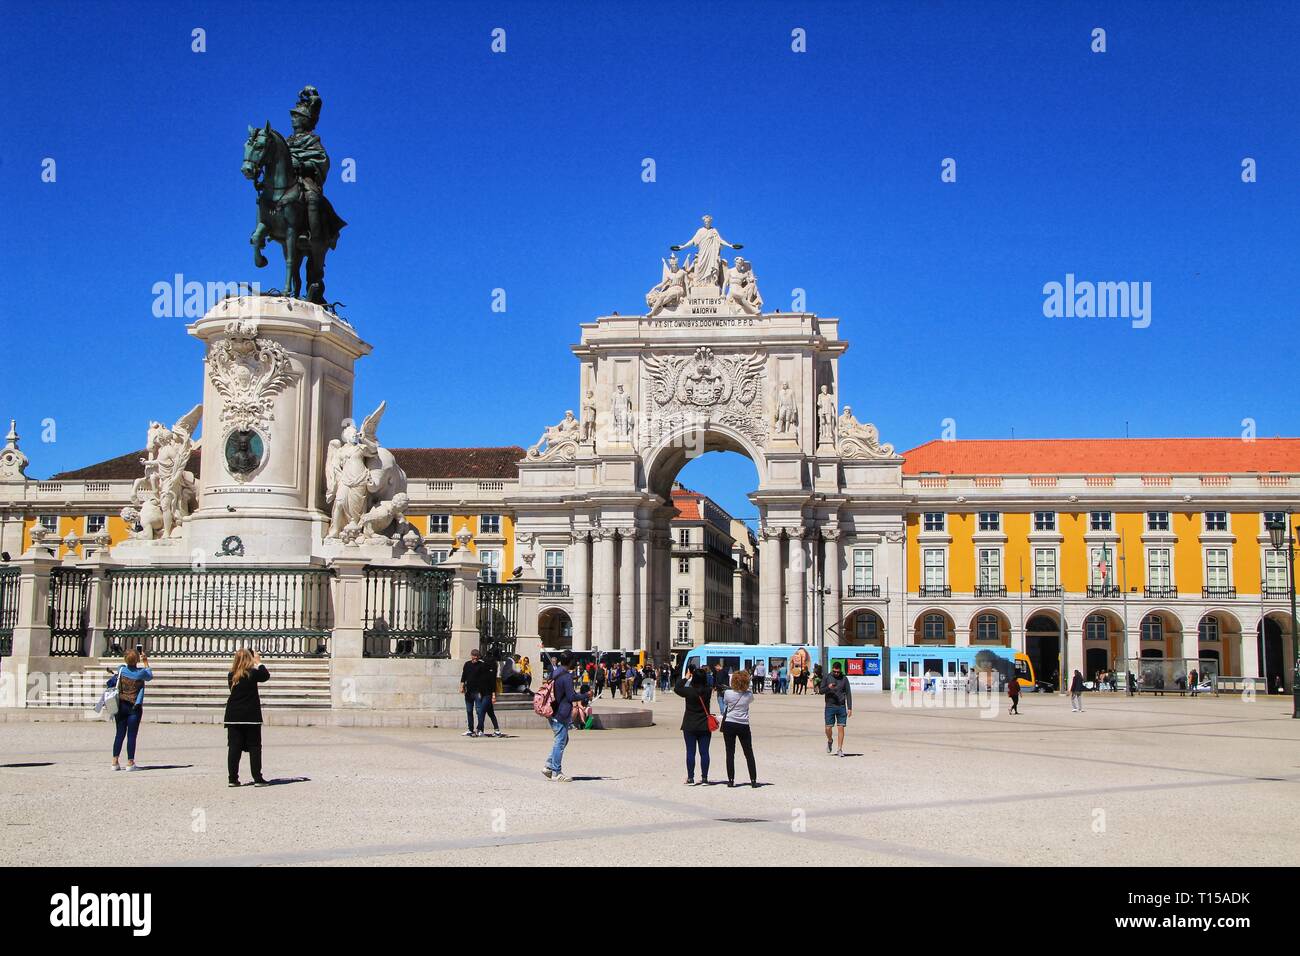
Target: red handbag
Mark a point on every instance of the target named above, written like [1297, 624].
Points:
[713, 721]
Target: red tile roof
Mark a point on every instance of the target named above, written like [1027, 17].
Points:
[502, 463]
[1103, 456]
[687, 504]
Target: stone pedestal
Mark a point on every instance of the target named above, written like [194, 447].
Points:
[278, 384]
[29, 670]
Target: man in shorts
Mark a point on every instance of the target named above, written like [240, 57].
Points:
[839, 705]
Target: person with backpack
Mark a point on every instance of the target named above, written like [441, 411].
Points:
[243, 717]
[130, 680]
[698, 723]
[555, 701]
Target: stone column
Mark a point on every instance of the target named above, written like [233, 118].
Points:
[347, 640]
[831, 574]
[797, 578]
[641, 556]
[603, 587]
[627, 639]
[770, 592]
[580, 588]
[28, 670]
[98, 608]
[1249, 653]
[1191, 644]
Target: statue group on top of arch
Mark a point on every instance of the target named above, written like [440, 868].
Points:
[365, 487]
[706, 275]
[163, 498]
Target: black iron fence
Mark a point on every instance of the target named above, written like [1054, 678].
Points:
[8, 608]
[408, 612]
[498, 612]
[68, 611]
[190, 612]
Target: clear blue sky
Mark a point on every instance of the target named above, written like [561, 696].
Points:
[523, 171]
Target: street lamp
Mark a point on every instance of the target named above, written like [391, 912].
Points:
[1279, 536]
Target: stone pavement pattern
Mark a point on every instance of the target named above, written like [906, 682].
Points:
[1130, 781]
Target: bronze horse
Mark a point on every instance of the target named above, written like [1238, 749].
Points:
[282, 214]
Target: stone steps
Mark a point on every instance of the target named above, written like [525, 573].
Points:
[295, 684]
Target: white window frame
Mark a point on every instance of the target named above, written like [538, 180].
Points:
[683, 565]
[1090, 625]
[683, 598]
[1153, 523]
[1226, 568]
[1044, 520]
[1275, 566]
[491, 559]
[995, 567]
[489, 523]
[1206, 518]
[928, 565]
[1094, 558]
[440, 523]
[1052, 566]
[864, 570]
[1167, 567]
[103, 524]
[939, 517]
[49, 522]
[988, 521]
[553, 562]
[439, 555]
[1101, 521]
[683, 631]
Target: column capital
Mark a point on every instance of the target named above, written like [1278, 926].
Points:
[628, 534]
[581, 535]
[831, 533]
[795, 531]
[769, 532]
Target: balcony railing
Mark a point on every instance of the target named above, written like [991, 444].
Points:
[1219, 592]
[1046, 591]
[1103, 590]
[991, 590]
[1160, 591]
[934, 590]
[556, 590]
[1276, 591]
[864, 590]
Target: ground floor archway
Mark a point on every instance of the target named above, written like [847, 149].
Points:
[555, 628]
[934, 627]
[862, 627]
[1043, 635]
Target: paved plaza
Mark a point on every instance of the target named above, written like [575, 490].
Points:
[1146, 781]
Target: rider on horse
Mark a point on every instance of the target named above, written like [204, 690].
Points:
[310, 160]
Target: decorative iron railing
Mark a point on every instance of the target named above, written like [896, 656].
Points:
[1276, 591]
[555, 590]
[68, 611]
[8, 608]
[864, 590]
[498, 612]
[991, 590]
[934, 590]
[1160, 591]
[408, 612]
[1219, 591]
[1103, 590]
[212, 612]
[1051, 591]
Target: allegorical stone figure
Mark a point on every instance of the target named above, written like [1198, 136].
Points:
[787, 412]
[826, 416]
[742, 287]
[588, 418]
[708, 244]
[670, 291]
[622, 415]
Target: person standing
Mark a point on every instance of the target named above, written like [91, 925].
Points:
[695, 723]
[839, 706]
[474, 677]
[1193, 680]
[1076, 693]
[602, 677]
[760, 672]
[648, 684]
[243, 717]
[735, 726]
[134, 673]
[1013, 692]
[565, 696]
[721, 681]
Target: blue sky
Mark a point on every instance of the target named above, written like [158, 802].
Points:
[522, 171]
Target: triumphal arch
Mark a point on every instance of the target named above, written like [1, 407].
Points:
[706, 368]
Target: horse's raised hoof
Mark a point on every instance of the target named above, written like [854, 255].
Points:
[259, 260]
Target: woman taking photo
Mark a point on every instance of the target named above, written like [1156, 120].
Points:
[695, 723]
[735, 725]
[244, 714]
[131, 678]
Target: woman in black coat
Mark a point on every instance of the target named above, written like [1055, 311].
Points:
[244, 714]
[695, 723]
